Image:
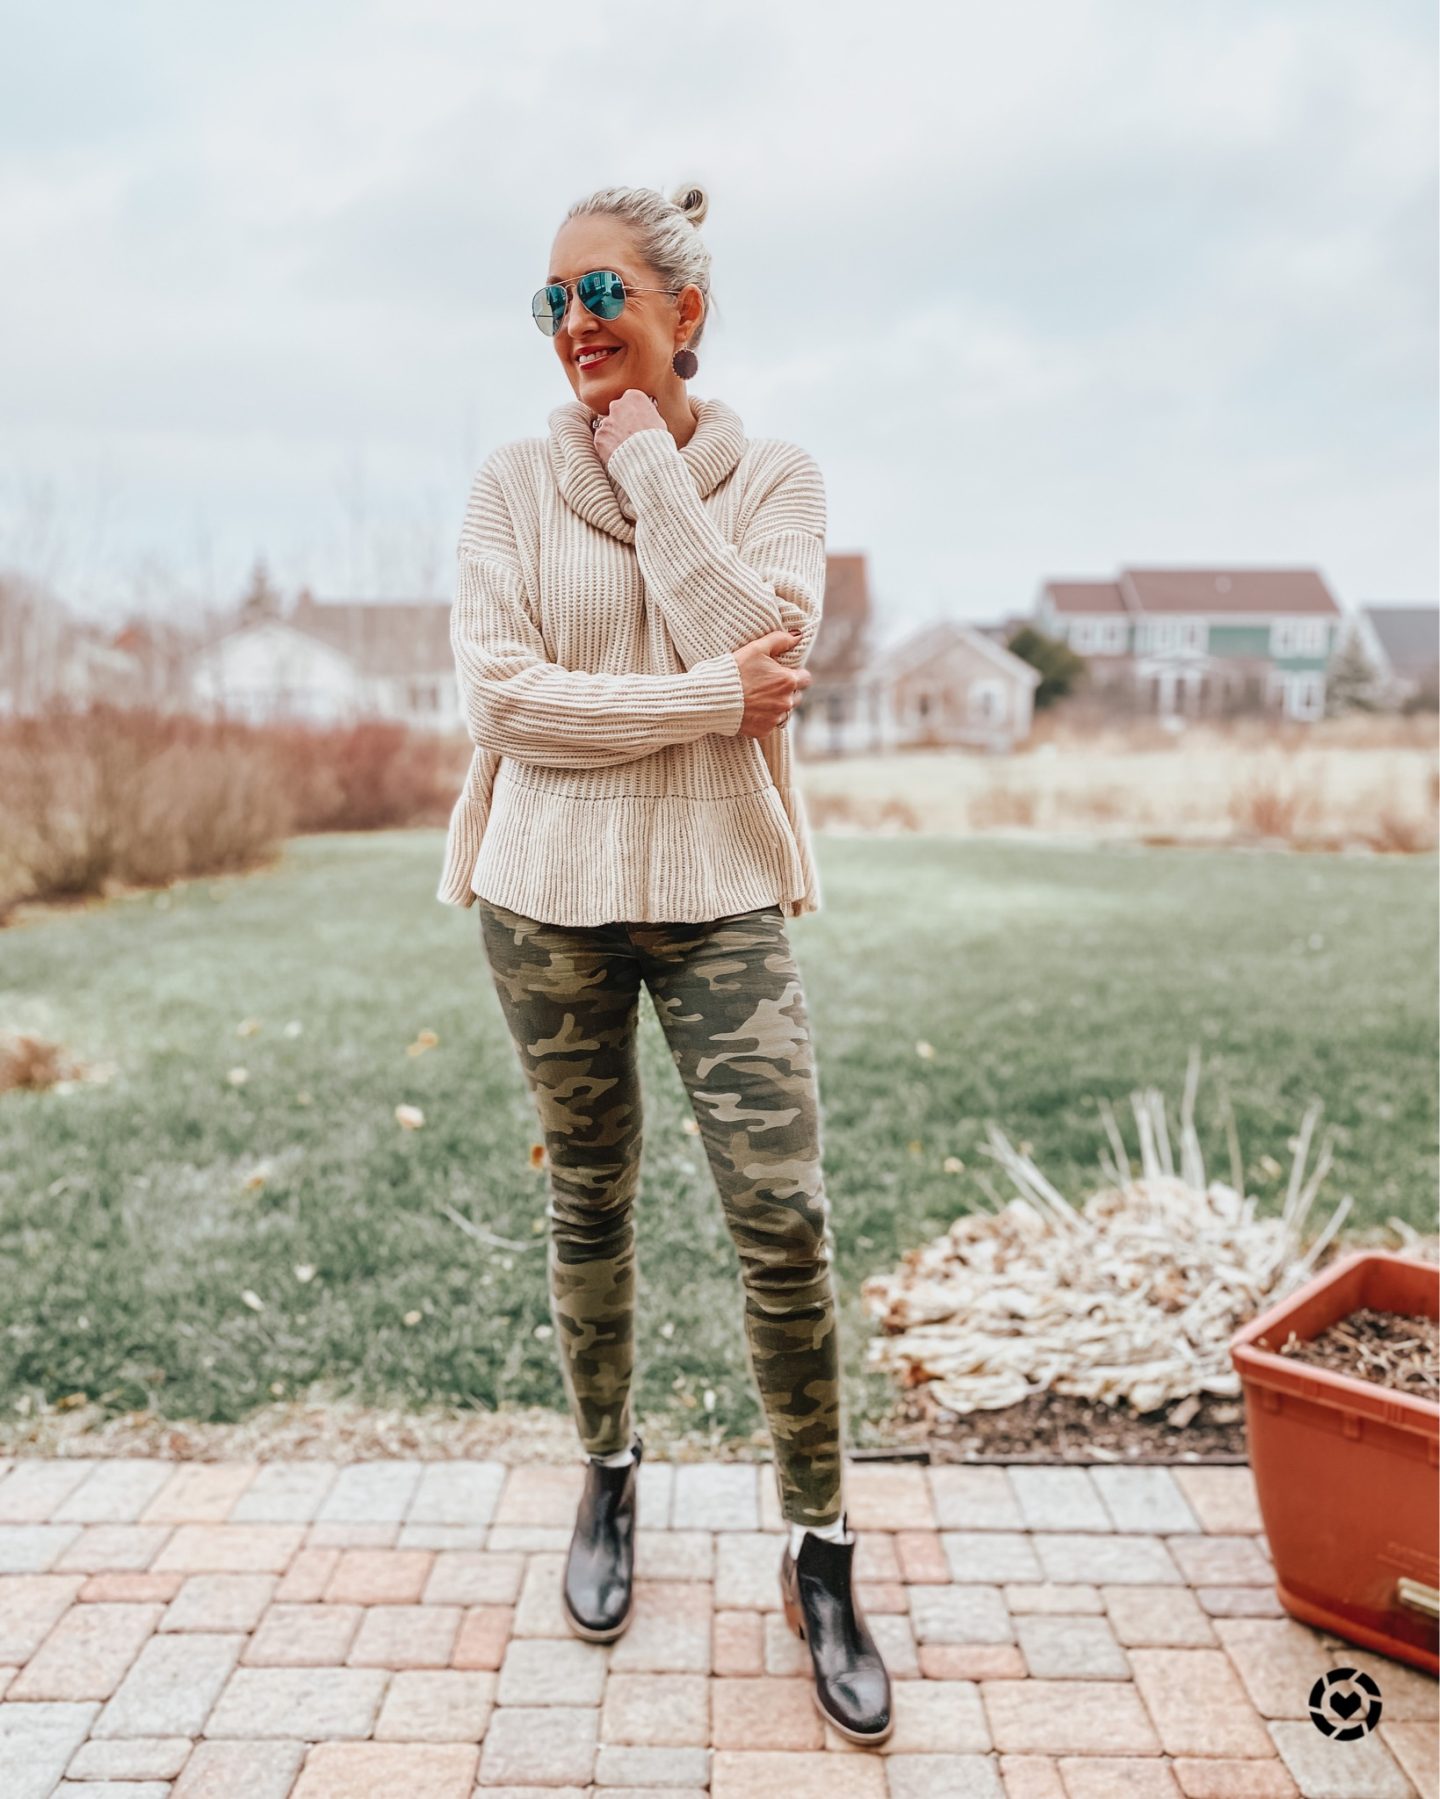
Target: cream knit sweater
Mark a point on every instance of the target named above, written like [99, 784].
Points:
[595, 614]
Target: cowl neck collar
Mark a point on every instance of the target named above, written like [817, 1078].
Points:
[589, 489]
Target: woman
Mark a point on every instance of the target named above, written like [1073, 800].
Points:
[636, 596]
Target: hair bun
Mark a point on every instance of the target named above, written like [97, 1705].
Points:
[693, 201]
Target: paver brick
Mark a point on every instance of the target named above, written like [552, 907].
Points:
[657, 1710]
[424, 1705]
[314, 1704]
[1221, 1561]
[305, 1580]
[230, 1548]
[739, 1642]
[351, 1533]
[548, 1496]
[922, 1557]
[675, 1554]
[715, 1496]
[1198, 1703]
[30, 1606]
[113, 1548]
[285, 1493]
[1414, 1745]
[1116, 1777]
[469, 1577]
[1060, 1648]
[1031, 1777]
[218, 1769]
[1223, 1499]
[960, 1615]
[622, 1768]
[895, 1640]
[539, 1672]
[1240, 1602]
[129, 1758]
[113, 1789]
[970, 1661]
[171, 1686]
[747, 1570]
[1046, 1598]
[992, 1556]
[405, 1636]
[671, 1629]
[370, 1493]
[480, 1641]
[932, 1717]
[1158, 1618]
[34, 1489]
[538, 1611]
[973, 1499]
[765, 1713]
[131, 1589]
[541, 1745]
[528, 1539]
[36, 1742]
[380, 1576]
[1058, 1499]
[880, 1496]
[199, 1493]
[943, 1777]
[87, 1653]
[813, 1774]
[219, 1602]
[1068, 1717]
[383, 1770]
[34, 1548]
[115, 1491]
[1144, 1499]
[1119, 1559]
[303, 1636]
[442, 1536]
[1206, 1778]
[461, 1492]
[1325, 1769]
[1279, 1661]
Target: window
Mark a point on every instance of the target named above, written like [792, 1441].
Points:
[1304, 695]
[987, 702]
[1299, 636]
[1168, 634]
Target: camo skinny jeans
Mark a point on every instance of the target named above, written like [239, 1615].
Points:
[729, 998]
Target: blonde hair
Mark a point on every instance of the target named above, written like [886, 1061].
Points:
[666, 232]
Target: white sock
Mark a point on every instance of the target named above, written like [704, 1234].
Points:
[833, 1533]
[619, 1459]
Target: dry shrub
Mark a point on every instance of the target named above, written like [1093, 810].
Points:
[109, 796]
[1395, 832]
[1264, 807]
[33, 1063]
[998, 806]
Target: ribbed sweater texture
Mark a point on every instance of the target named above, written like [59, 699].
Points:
[595, 615]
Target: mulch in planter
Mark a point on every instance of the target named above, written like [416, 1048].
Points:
[1387, 1349]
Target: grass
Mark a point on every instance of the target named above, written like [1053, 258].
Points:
[135, 1214]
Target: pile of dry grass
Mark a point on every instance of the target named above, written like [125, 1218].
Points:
[1131, 1297]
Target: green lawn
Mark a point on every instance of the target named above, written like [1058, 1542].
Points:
[1043, 977]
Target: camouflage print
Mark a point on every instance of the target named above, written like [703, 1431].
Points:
[729, 998]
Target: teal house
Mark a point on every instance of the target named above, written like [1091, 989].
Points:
[1197, 641]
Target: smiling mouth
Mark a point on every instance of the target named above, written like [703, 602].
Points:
[595, 362]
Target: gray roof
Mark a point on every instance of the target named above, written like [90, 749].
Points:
[1409, 635]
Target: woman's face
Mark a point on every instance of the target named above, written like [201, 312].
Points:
[648, 331]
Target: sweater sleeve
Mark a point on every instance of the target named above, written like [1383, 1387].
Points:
[521, 704]
[716, 595]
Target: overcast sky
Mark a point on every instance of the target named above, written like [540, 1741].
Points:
[1047, 287]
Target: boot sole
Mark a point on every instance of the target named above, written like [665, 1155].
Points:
[596, 1636]
[867, 1738]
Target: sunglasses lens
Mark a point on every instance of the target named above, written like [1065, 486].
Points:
[603, 292]
[548, 307]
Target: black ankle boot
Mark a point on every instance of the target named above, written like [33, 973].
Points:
[600, 1569]
[852, 1685]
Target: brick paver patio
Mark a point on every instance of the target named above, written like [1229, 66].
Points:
[392, 1629]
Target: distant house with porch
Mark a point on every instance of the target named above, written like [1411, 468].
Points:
[946, 684]
[1197, 640]
[334, 661]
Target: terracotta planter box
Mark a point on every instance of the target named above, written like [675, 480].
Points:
[1347, 1472]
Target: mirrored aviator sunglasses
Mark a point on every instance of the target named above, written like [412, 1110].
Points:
[602, 291]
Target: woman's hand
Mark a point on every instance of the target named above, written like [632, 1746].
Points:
[770, 688]
[633, 411]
